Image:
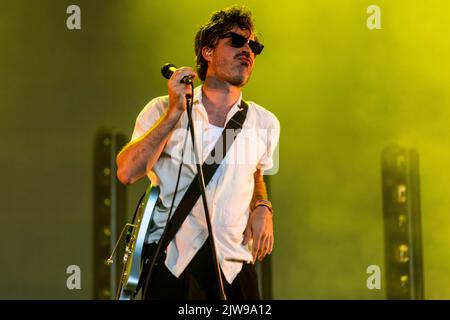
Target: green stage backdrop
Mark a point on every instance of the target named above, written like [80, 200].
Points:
[341, 91]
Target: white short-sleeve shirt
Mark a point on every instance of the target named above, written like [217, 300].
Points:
[228, 193]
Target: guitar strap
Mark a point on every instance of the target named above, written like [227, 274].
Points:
[209, 168]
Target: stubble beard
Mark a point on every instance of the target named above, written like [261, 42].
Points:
[236, 75]
[238, 78]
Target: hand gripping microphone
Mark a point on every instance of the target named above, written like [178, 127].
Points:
[168, 69]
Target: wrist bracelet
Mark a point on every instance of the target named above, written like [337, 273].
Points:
[265, 203]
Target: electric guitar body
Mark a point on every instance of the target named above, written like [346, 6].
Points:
[136, 235]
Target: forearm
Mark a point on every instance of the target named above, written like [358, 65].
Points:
[139, 156]
[260, 224]
[259, 191]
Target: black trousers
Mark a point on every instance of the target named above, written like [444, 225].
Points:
[197, 281]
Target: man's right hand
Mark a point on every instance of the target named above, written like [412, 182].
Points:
[137, 158]
[178, 91]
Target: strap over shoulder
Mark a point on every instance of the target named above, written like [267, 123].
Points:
[209, 168]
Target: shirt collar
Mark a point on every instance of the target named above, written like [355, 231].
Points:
[200, 109]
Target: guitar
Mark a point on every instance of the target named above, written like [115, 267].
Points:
[137, 232]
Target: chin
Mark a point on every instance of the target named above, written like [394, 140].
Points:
[239, 80]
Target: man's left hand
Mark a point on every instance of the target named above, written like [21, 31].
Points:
[260, 229]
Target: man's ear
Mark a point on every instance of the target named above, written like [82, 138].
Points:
[207, 53]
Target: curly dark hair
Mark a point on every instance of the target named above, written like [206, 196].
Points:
[219, 23]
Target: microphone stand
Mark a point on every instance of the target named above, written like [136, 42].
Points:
[201, 181]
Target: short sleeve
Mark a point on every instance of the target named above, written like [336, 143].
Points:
[272, 136]
[147, 118]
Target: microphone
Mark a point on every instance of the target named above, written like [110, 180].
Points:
[168, 69]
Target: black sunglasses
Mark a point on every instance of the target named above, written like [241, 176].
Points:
[238, 41]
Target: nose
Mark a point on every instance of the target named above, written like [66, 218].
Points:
[247, 47]
[247, 51]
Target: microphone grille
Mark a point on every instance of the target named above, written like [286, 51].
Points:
[167, 70]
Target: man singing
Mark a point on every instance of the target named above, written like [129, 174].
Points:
[241, 214]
